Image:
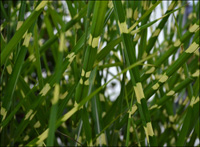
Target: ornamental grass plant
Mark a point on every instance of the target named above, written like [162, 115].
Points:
[99, 73]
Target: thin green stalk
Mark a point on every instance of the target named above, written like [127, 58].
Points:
[55, 99]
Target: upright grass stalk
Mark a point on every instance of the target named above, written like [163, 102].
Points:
[90, 54]
[130, 59]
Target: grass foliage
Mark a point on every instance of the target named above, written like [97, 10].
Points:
[57, 62]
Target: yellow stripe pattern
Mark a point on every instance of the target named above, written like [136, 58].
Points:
[163, 78]
[56, 94]
[28, 114]
[3, 113]
[41, 5]
[71, 57]
[139, 92]
[193, 28]
[93, 41]
[192, 47]
[156, 33]
[27, 39]
[123, 27]
[148, 131]
[45, 89]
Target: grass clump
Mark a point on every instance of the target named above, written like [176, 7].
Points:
[57, 63]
